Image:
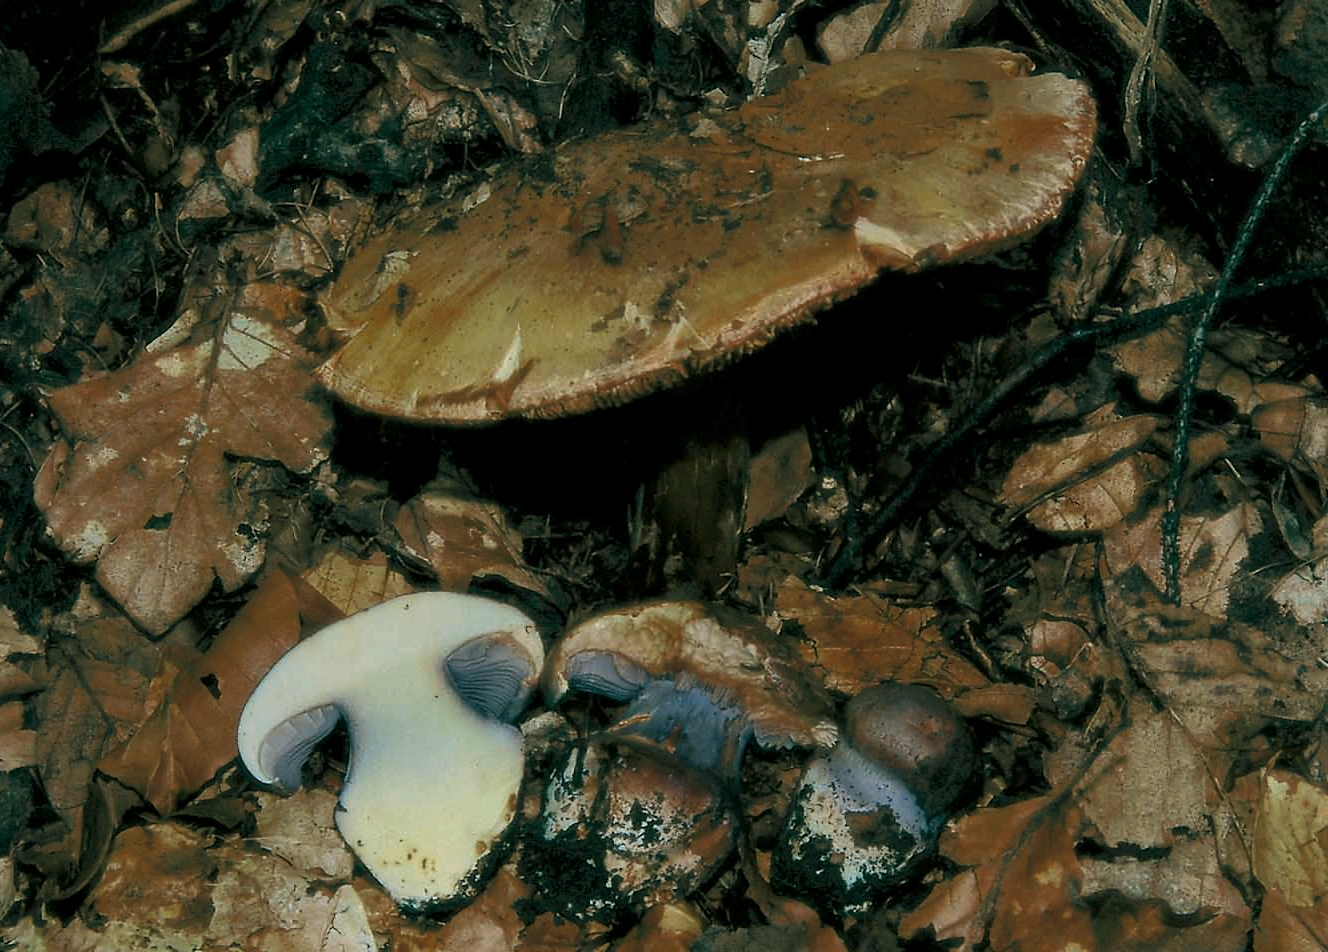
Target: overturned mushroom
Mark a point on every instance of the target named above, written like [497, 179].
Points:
[866, 813]
[425, 683]
[700, 680]
[644, 813]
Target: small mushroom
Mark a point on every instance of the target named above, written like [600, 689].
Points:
[425, 683]
[699, 680]
[867, 812]
[644, 812]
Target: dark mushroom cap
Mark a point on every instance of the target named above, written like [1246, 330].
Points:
[913, 731]
[866, 813]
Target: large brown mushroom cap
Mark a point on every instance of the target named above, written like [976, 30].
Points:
[628, 261]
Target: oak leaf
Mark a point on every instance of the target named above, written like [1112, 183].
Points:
[144, 485]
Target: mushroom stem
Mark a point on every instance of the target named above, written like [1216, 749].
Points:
[694, 501]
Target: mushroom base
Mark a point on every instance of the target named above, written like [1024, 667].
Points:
[840, 852]
[622, 827]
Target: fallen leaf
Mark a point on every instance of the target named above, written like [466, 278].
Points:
[352, 584]
[192, 734]
[262, 904]
[633, 259]
[1023, 890]
[1228, 683]
[1213, 551]
[668, 927]
[464, 540]
[855, 642]
[1051, 467]
[143, 486]
[780, 472]
[99, 686]
[1291, 839]
[299, 829]
[1296, 429]
[18, 746]
[157, 881]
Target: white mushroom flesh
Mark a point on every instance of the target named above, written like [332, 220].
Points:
[433, 783]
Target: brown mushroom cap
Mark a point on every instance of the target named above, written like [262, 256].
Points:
[911, 730]
[626, 262]
[703, 679]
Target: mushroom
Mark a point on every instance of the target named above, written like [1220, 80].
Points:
[623, 264]
[867, 812]
[700, 681]
[425, 683]
[644, 813]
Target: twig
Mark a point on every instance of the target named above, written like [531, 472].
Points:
[121, 39]
[1189, 384]
[846, 561]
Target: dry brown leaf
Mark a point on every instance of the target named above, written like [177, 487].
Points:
[670, 927]
[157, 883]
[464, 540]
[352, 584]
[1284, 927]
[300, 830]
[143, 486]
[1296, 429]
[1004, 703]
[1160, 851]
[780, 472]
[262, 904]
[1052, 467]
[489, 924]
[1023, 891]
[854, 642]
[99, 686]
[1228, 684]
[1291, 839]
[22, 658]
[1152, 753]
[192, 734]
[1213, 550]
[1302, 593]
[18, 746]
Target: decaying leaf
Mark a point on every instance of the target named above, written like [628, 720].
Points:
[631, 260]
[192, 734]
[1213, 551]
[1084, 482]
[352, 584]
[1023, 886]
[852, 643]
[464, 540]
[299, 829]
[143, 486]
[98, 692]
